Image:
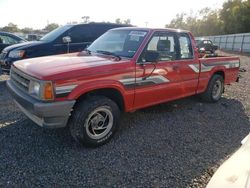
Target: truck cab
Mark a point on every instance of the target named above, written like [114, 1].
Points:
[123, 70]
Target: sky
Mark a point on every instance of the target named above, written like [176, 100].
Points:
[38, 13]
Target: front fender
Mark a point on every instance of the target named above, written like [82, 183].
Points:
[95, 85]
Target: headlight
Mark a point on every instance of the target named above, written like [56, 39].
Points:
[34, 88]
[42, 90]
[16, 54]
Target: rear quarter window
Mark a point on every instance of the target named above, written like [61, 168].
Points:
[186, 50]
[98, 30]
[80, 34]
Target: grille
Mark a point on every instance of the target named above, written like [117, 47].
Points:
[19, 79]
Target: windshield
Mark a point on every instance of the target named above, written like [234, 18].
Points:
[123, 43]
[55, 33]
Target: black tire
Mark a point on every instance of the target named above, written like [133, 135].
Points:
[87, 118]
[210, 95]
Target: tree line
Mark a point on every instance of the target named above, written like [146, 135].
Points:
[233, 17]
[13, 28]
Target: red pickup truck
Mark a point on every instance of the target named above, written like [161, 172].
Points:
[123, 70]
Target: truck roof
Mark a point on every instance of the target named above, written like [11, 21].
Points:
[152, 29]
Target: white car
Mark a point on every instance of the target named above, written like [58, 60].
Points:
[235, 172]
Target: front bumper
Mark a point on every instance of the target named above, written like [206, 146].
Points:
[45, 114]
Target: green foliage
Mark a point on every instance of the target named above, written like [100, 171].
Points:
[127, 21]
[207, 23]
[234, 17]
[27, 30]
[51, 27]
[119, 21]
[85, 19]
[12, 28]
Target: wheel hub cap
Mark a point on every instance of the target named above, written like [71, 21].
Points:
[99, 122]
[217, 89]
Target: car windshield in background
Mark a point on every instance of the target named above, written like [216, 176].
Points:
[55, 33]
[123, 43]
[198, 41]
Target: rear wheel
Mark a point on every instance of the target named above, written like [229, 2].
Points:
[94, 121]
[214, 89]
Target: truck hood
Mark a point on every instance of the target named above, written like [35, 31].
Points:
[235, 172]
[23, 45]
[63, 66]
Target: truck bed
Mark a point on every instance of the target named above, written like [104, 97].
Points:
[229, 65]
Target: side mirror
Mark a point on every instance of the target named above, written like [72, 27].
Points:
[66, 39]
[151, 56]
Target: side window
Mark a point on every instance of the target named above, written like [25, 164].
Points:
[1, 39]
[80, 34]
[12, 40]
[186, 50]
[98, 30]
[164, 44]
[7, 40]
[207, 42]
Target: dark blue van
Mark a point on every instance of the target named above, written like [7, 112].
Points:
[65, 39]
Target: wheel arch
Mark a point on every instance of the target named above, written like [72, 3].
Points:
[219, 72]
[110, 92]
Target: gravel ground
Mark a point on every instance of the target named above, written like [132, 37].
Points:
[178, 144]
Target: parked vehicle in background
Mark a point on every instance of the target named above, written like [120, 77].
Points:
[33, 37]
[234, 172]
[205, 46]
[65, 39]
[123, 70]
[7, 39]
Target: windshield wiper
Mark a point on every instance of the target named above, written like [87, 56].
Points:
[108, 53]
[87, 51]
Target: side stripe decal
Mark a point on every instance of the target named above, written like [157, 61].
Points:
[205, 67]
[158, 79]
[63, 91]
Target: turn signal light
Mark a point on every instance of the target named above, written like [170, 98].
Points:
[48, 93]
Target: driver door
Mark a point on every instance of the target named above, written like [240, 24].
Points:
[159, 81]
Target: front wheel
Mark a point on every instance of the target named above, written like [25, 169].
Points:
[214, 89]
[94, 121]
